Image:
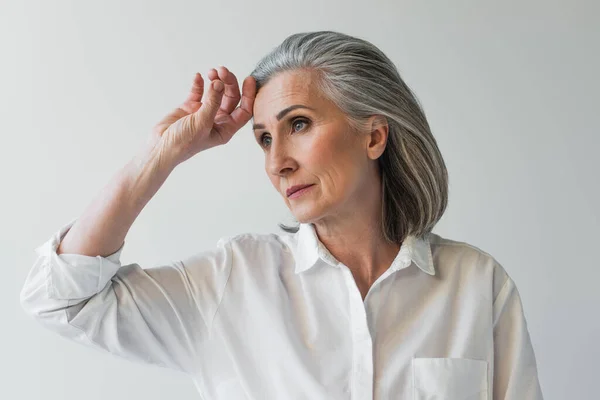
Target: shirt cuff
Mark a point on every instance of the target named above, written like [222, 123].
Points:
[73, 276]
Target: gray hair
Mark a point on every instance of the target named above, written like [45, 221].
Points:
[362, 81]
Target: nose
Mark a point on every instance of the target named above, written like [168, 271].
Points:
[279, 160]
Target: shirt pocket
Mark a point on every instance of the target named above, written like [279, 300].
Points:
[449, 379]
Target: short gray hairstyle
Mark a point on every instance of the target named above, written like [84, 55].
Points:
[362, 81]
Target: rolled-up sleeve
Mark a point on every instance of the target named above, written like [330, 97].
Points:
[159, 315]
[515, 368]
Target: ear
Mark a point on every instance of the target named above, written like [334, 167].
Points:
[377, 139]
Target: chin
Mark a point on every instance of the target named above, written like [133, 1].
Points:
[307, 213]
[303, 218]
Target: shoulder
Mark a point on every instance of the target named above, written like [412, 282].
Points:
[444, 246]
[259, 256]
[253, 242]
[453, 256]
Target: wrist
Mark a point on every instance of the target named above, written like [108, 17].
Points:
[144, 174]
[152, 156]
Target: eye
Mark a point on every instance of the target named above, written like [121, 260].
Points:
[262, 139]
[299, 120]
[294, 124]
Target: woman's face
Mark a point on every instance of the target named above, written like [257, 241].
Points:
[309, 144]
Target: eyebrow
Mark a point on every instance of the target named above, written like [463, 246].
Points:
[282, 114]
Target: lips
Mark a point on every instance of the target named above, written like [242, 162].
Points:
[295, 188]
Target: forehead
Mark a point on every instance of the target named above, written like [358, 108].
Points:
[285, 89]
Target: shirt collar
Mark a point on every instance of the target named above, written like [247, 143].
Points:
[413, 249]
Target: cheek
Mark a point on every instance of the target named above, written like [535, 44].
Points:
[335, 164]
[320, 151]
[274, 180]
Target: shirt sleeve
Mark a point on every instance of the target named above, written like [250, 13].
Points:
[515, 369]
[159, 315]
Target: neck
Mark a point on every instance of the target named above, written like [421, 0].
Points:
[356, 239]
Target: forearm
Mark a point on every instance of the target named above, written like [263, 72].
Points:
[102, 228]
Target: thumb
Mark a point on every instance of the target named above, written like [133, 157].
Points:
[210, 107]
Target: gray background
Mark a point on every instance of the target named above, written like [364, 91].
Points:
[510, 89]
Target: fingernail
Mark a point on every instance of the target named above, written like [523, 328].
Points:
[218, 86]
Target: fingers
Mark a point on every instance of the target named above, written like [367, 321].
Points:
[210, 107]
[241, 115]
[197, 89]
[231, 96]
[231, 119]
[193, 100]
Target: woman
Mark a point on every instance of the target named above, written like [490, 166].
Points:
[362, 301]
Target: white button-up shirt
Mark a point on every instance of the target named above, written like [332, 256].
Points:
[271, 317]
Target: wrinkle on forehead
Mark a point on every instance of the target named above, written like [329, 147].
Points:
[283, 90]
